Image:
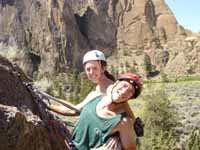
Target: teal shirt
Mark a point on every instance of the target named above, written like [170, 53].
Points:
[91, 131]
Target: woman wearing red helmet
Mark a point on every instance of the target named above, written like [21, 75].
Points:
[107, 116]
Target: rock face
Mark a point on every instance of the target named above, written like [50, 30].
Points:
[21, 128]
[59, 33]
[44, 28]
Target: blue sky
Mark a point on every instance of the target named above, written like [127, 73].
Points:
[187, 13]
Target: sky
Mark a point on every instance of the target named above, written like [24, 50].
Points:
[187, 13]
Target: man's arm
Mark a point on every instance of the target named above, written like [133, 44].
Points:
[60, 109]
[128, 139]
[60, 101]
[127, 109]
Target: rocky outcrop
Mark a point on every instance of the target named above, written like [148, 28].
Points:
[56, 34]
[21, 127]
[139, 26]
[150, 27]
[47, 29]
[95, 24]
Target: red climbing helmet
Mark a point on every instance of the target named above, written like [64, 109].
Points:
[134, 80]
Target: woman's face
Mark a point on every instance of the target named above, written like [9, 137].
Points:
[93, 70]
[122, 91]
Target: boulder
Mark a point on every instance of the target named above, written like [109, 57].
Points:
[21, 126]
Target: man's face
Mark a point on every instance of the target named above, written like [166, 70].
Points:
[93, 70]
[122, 91]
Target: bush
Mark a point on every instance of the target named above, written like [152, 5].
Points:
[71, 87]
[81, 87]
[164, 77]
[147, 65]
[193, 142]
[160, 121]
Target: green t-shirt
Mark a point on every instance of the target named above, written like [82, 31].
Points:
[91, 131]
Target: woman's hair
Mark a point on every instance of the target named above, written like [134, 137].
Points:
[106, 73]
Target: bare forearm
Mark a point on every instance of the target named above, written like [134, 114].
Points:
[126, 133]
[63, 110]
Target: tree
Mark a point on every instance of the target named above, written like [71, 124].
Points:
[147, 65]
[82, 86]
[113, 71]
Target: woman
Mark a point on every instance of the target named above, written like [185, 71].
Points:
[95, 67]
[107, 116]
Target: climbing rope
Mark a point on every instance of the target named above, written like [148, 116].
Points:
[52, 123]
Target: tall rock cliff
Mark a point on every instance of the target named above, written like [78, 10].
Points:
[139, 27]
[53, 35]
[47, 29]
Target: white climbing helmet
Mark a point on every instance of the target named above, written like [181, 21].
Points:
[93, 55]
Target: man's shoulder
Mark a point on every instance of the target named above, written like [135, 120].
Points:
[94, 94]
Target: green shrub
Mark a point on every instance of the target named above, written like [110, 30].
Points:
[160, 121]
[81, 87]
[71, 87]
[147, 65]
[193, 142]
[126, 52]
